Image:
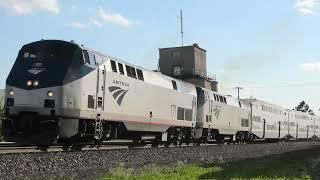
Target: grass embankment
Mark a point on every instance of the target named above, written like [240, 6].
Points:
[249, 169]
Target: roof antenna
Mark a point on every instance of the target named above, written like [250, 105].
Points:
[181, 27]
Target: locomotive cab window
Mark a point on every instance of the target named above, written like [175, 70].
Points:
[92, 59]
[113, 66]
[47, 61]
[86, 57]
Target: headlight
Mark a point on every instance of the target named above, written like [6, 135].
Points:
[35, 83]
[29, 83]
[11, 92]
[50, 93]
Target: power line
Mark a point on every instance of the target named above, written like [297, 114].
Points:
[278, 86]
[239, 88]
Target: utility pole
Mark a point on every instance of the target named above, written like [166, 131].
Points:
[181, 27]
[239, 88]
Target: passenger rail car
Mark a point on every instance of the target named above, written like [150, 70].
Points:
[268, 120]
[64, 91]
[221, 117]
[302, 125]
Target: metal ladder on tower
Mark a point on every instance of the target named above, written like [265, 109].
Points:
[98, 128]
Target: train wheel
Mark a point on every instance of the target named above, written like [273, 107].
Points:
[77, 147]
[157, 141]
[155, 144]
[66, 147]
[167, 144]
[43, 147]
[220, 139]
[179, 139]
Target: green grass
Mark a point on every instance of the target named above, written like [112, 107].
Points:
[249, 169]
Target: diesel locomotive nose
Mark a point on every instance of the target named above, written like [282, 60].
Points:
[40, 101]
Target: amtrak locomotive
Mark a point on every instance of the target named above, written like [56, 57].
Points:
[64, 91]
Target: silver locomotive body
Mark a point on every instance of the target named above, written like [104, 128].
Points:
[59, 89]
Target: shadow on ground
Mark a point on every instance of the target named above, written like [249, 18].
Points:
[301, 164]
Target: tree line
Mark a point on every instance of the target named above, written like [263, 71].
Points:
[304, 107]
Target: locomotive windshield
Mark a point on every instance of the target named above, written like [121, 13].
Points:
[46, 62]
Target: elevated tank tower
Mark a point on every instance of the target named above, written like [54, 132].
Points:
[188, 63]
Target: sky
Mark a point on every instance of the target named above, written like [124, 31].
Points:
[270, 48]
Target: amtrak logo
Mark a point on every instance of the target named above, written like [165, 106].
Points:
[216, 112]
[117, 93]
[35, 71]
[37, 68]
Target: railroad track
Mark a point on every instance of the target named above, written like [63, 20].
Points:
[6, 148]
[12, 147]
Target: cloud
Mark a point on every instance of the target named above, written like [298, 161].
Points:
[307, 7]
[311, 67]
[113, 18]
[79, 25]
[221, 71]
[96, 22]
[103, 17]
[24, 8]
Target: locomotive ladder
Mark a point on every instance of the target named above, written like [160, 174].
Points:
[98, 128]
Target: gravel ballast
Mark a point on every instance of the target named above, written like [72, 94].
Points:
[92, 164]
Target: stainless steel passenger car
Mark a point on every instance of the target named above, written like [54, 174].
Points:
[221, 117]
[269, 121]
